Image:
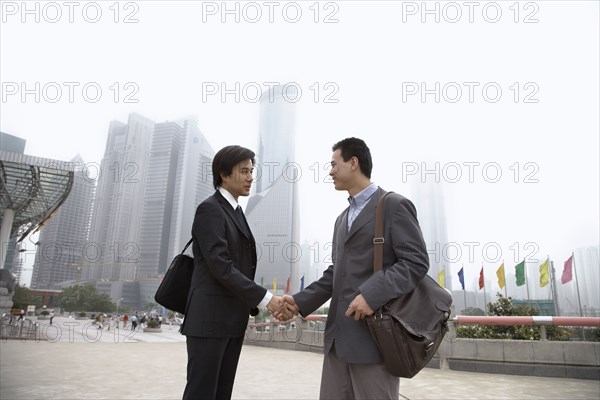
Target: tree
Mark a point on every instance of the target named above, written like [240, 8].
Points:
[472, 311]
[22, 297]
[85, 298]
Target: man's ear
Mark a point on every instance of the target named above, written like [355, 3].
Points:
[354, 163]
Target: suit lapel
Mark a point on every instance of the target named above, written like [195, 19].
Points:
[343, 228]
[365, 216]
[227, 207]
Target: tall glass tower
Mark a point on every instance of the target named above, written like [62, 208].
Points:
[114, 247]
[273, 212]
[62, 239]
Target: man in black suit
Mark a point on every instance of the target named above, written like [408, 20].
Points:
[223, 291]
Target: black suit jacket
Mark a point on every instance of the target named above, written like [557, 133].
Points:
[223, 291]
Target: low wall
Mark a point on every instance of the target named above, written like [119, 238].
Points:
[580, 360]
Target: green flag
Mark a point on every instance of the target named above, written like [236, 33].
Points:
[520, 271]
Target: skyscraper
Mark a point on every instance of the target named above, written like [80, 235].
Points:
[118, 207]
[429, 201]
[63, 238]
[157, 216]
[193, 184]
[175, 185]
[273, 212]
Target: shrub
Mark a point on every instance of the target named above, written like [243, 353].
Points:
[153, 324]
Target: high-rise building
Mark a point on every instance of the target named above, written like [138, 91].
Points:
[194, 183]
[273, 212]
[176, 183]
[428, 198]
[117, 213]
[62, 239]
[157, 216]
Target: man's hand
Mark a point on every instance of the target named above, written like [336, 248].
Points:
[359, 308]
[288, 309]
[278, 310]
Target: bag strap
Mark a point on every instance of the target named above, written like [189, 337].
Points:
[187, 245]
[378, 238]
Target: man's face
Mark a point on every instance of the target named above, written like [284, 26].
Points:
[341, 171]
[240, 180]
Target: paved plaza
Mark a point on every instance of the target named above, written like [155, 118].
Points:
[80, 362]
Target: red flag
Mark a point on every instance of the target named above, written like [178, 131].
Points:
[481, 279]
[287, 286]
[567, 274]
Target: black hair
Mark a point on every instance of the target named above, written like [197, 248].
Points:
[227, 158]
[354, 147]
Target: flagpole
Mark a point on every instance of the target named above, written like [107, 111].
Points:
[577, 286]
[505, 285]
[526, 280]
[484, 295]
[463, 285]
[553, 287]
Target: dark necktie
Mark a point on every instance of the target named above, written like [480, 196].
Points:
[242, 219]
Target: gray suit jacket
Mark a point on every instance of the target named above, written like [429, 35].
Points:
[405, 263]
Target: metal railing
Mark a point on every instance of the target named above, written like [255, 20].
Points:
[24, 329]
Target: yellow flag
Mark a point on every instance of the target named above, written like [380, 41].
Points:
[441, 279]
[500, 274]
[544, 276]
[275, 285]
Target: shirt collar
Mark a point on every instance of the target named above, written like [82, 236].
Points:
[229, 197]
[363, 196]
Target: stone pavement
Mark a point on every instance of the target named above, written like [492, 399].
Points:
[95, 364]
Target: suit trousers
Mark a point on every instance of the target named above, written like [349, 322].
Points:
[211, 368]
[341, 380]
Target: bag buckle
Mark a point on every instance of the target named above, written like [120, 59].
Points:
[378, 240]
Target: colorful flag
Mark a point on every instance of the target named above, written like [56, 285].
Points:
[481, 283]
[520, 272]
[287, 285]
[274, 285]
[567, 275]
[461, 278]
[441, 279]
[302, 283]
[500, 274]
[544, 274]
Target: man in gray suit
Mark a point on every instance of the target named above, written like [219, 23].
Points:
[352, 366]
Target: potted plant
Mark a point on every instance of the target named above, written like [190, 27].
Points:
[153, 326]
[45, 314]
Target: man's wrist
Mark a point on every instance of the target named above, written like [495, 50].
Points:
[265, 301]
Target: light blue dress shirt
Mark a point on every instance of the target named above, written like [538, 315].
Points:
[358, 202]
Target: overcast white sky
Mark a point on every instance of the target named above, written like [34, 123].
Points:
[374, 59]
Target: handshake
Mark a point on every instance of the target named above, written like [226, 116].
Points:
[283, 308]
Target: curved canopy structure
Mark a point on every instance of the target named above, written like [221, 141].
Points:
[31, 189]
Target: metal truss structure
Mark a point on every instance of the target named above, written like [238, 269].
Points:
[33, 188]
